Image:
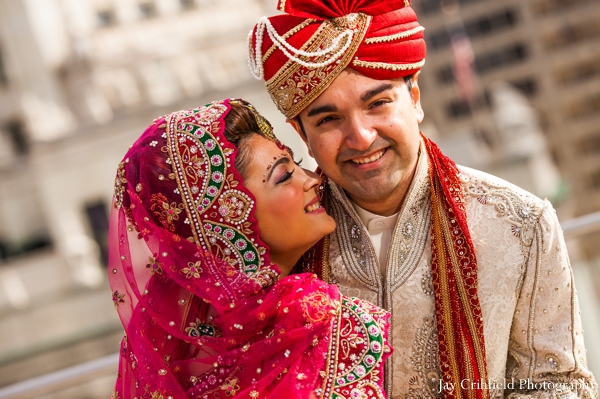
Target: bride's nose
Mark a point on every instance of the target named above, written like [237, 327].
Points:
[311, 181]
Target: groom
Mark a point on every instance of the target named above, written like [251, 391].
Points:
[473, 269]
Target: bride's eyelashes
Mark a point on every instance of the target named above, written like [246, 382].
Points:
[286, 176]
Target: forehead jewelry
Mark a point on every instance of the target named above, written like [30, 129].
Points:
[271, 164]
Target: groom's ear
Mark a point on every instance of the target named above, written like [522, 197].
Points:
[297, 125]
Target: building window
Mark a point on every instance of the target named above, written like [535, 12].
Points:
[504, 57]
[106, 18]
[594, 180]
[489, 61]
[567, 35]
[483, 26]
[585, 107]
[528, 86]
[98, 220]
[434, 6]
[148, 10]
[579, 72]
[187, 4]
[590, 145]
[553, 6]
[16, 133]
[458, 108]
[3, 76]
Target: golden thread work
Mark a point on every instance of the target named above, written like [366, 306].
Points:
[386, 65]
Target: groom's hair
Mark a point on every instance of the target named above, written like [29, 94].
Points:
[407, 82]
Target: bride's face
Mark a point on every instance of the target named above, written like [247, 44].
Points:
[290, 216]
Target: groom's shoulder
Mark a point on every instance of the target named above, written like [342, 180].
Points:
[482, 189]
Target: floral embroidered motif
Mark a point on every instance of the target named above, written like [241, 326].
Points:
[522, 214]
[427, 284]
[120, 184]
[157, 395]
[192, 270]
[230, 386]
[154, 266]
[407, 245]
[349, 339]
[315, 307]
[234, 206]
[118, 299]
[167, 213]
[425, 383]
[553, 362]
[362, 340]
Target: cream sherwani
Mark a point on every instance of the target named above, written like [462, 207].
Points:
[532, 325]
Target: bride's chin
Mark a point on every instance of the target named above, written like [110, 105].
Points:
[327, 227]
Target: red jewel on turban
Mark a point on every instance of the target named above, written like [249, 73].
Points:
[300, 53]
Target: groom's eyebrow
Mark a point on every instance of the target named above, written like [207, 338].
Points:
[281, 160]
[321, 109]
[369, 94]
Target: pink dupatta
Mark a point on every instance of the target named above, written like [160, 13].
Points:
[204, 311]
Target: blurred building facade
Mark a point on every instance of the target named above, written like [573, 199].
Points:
[549, 50]
[79, 82]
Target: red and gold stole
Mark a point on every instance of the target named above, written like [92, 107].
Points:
[454, 273]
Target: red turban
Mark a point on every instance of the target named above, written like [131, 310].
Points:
[300, 53]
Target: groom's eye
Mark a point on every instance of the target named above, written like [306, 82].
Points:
[325, 120]
[378, 103]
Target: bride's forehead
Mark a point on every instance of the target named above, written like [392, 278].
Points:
[265, 151]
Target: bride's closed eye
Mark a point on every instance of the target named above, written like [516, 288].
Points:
[286, 176]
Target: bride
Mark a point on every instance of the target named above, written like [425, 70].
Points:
[210, 216]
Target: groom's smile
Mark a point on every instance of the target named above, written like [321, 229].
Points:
[364, 134]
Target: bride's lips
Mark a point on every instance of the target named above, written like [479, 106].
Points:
[314, 206]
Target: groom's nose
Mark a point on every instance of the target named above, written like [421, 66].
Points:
[359, 134]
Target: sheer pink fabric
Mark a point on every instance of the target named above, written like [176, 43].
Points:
[204, 310]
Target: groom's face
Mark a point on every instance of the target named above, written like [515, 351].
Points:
[364, 134]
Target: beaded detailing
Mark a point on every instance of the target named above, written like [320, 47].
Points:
[310, 69]
[285, 36]
[424, 360]
[218, 212]
[199, 328]
[120, 186]
[385, 65]
[356, 249]
[330, 54]
[281, 5]
[407, 245]
[406, 248]
[522, 213]
[355, 353]
[397, 36]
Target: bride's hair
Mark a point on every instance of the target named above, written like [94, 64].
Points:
[241, 125]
